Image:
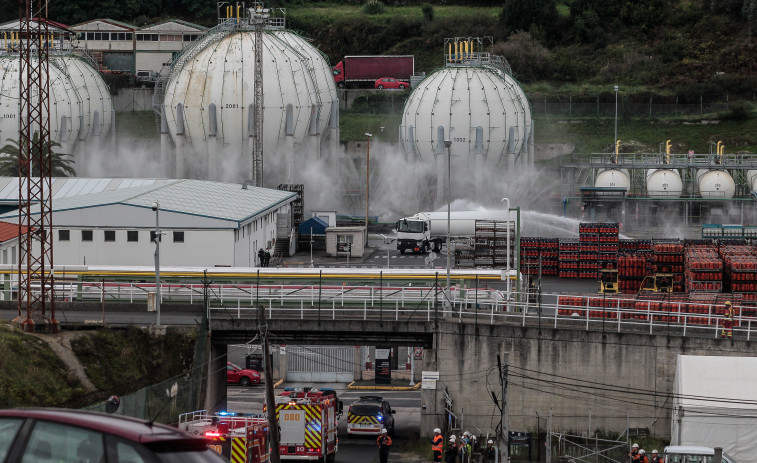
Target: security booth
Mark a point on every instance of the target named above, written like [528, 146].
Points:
[345, 241]
[312, 234]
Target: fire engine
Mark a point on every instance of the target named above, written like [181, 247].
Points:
[242, 438]
[308, 422]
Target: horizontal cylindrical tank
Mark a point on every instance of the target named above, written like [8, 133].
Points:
[715, 184]
[613, 178]
[664, 183]
[461, 223]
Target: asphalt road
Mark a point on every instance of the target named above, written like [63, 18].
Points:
[407, 418]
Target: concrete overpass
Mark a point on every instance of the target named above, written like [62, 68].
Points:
[608, 376]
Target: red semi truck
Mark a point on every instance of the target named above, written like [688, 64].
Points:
[356, 71]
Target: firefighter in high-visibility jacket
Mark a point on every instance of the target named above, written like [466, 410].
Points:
[727, 321]
[436, 444]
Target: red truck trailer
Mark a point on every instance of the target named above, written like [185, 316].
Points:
[357, 71]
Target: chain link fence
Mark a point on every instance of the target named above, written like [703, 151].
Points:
[654, 107]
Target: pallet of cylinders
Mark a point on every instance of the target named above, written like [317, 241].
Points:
[740, 268]
[703, 267]
[598, 248]
[667, 257]
[464, 256]
[705, 308]
[490, 243]
[632, 268]
[550, 251]
[568, 251]
[530, 249]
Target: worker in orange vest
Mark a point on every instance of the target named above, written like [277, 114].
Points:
[384, 443]
[727, 321]
[436, 444]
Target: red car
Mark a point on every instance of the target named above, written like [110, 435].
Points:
[388, 82]
[42, 435]
[241, 376]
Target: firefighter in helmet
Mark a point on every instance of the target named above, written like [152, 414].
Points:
[727, 321]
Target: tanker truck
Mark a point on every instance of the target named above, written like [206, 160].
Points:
[425, 231]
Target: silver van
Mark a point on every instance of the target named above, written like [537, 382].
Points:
[692, 454]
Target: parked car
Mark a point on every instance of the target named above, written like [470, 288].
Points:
[46, 435]
[146, 78]
[389, 82]
[368, 415]
[241, 376]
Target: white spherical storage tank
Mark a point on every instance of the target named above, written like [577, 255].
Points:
[613, 178]
[482, 111]
[81, 108]
[715, 184]
[664, 183]
[209, 106]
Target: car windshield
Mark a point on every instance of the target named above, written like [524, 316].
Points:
[235, 367]
[410, 226]
[365, 410]
[203, 456]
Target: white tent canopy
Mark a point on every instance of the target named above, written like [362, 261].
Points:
[715, 404]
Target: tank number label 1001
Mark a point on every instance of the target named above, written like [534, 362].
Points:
[9, 116]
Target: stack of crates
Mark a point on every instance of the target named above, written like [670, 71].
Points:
[667, 257]
[568, 264]
[588, 251]
[530, 249]
[703, 268]
[740, 268]
[550, 255]
[632, 268]
[608, 246]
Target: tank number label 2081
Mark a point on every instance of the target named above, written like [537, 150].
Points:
[458, 139]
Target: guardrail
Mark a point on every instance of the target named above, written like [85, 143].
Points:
[426, 302]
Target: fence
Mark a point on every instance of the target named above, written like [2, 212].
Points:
[567, 107]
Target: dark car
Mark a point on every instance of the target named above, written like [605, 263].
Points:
[389, 82]
[72, 436]
[368, 415]
[241, 376]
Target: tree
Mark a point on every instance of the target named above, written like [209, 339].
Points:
[523, 15]
[61, 163]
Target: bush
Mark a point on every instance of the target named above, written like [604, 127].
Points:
[529, 60]
[374, 7]
[739, 111]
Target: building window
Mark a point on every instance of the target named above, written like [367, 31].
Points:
[64, 235]
[98, 36]
[128, 36]
[132, 235]
[178, 237]
[86, 235]
[110, 236]
[90, 36]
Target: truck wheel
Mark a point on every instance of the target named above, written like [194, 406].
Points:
[331, 457]
[402, 86]
[402, 251]
[380, 87]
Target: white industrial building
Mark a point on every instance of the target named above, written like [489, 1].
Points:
[203, 224]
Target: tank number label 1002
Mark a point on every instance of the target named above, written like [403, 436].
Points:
[458, 138]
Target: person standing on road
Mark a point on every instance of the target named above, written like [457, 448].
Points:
[450, 455]
[643, 457]
[384, 442]
[267, 258]
[656, 458]
[261, 258]
[490, 452]
[727, 321]
[633, 457]
[436, 444]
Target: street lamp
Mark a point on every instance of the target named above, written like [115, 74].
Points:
[367, 182]
[507, 203]
[448, 145]
[156, 239]
[615, 141]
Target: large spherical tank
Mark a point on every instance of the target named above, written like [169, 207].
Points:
[613, 178]
[479, 109]
[214, 90]
[664, 183]
[80, 103]
[716, 184]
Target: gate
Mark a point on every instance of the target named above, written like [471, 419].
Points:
[320, 364]
[580, 449]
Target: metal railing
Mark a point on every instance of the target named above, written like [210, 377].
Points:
[490, 306]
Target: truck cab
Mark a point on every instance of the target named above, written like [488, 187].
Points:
[338, 72]
[413, 235]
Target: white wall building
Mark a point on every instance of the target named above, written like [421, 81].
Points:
[204, 224]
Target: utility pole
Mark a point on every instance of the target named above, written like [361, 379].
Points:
[270, 403]
[505, 447]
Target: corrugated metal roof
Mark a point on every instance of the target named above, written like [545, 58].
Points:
[224, 201]
[65, 187]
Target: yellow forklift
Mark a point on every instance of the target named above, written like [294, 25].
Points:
[657, 283]
[608, 281]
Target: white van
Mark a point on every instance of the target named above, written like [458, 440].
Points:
[692, 454]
